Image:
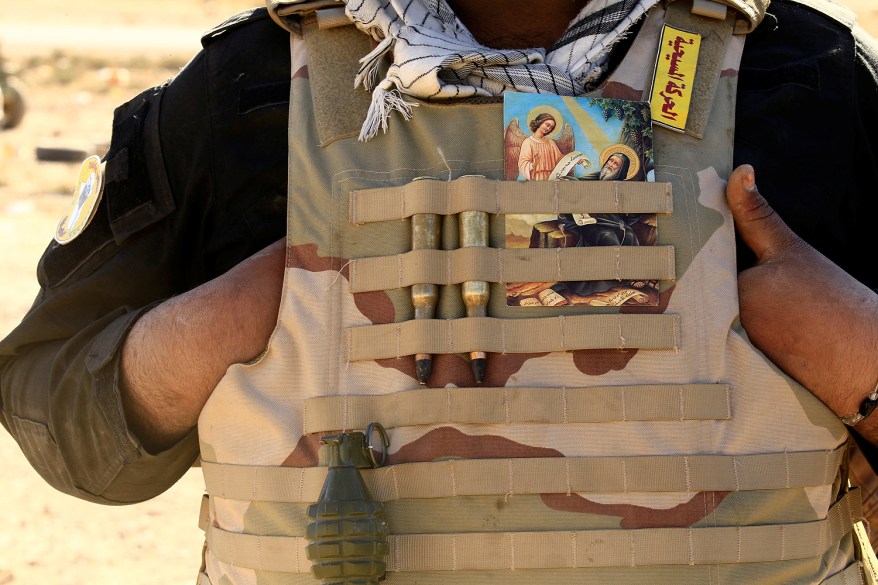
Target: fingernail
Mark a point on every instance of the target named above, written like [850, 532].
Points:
[749, 181]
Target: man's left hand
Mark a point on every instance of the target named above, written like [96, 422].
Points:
[810, 317]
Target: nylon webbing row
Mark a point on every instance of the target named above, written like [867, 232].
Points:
[512, 265]
[560, 475]
[652, 402]
[491, 334]
[503, 197]
[853, 575]
[693, 575]
[571, 549]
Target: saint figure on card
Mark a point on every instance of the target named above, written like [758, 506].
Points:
[619, 162]
[548, 153]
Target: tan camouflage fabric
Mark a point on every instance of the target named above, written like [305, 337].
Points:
[648, 445]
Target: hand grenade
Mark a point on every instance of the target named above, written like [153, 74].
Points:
[347, 533]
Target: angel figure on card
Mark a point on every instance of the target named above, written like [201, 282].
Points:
[547, 154]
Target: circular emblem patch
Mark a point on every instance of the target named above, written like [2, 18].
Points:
[86, 196]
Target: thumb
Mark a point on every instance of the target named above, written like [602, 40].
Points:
[758, 225]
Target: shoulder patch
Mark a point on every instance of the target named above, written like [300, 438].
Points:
[86, 196]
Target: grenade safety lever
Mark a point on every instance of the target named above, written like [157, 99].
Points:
[347, 532]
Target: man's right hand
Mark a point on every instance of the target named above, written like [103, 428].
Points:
[176, 354]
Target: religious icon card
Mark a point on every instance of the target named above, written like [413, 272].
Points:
[555, 138]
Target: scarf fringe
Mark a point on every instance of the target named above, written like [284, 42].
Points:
[369, 64]
[384, 102]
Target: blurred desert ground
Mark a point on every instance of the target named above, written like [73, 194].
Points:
[75, 62]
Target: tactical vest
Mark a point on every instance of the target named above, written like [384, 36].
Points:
[605, 445]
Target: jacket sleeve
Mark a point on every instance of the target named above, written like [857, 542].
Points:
[807, 119]
[187, 196]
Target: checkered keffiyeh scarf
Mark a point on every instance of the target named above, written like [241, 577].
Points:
[436, 57]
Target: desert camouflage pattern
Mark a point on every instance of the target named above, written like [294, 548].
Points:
[689, 460]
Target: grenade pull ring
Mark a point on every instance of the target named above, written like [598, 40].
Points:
[370, 448]
[347, 532]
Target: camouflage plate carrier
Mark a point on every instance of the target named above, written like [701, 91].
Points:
[606, 445]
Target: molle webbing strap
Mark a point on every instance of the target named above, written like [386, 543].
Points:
[490, 334]
[289, 13]
[710, 9]
[671, 402]
[499, 551]
[754, 10]
[512, 265]
[204, 512]
[559, 475]
[287, 8]
[332, 18]
[693, 575]
[474, 193]
[853, 575]
[865, 552]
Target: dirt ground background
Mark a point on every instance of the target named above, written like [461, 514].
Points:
[75, 62]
